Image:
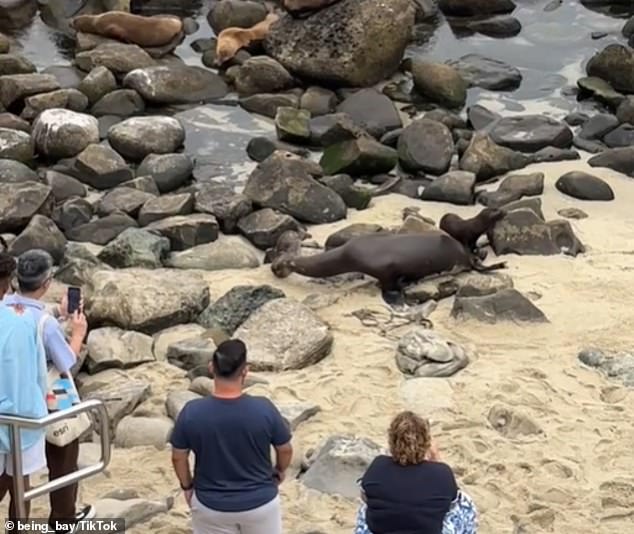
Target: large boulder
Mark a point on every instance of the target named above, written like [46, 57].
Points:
[139, 137]
[486, 159]
[180, 84]
[16, 145]
[614, 64]
[135, 247]
[62, 133]
[617, 159]
[284, 334]
[111, 347]
[285, 182]
[425, 145]
[20, 202]
[530, 133]
[351, 43]
[40, 233]
[119, 58]
[165, 298]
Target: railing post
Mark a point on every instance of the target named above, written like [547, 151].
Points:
[18, 480]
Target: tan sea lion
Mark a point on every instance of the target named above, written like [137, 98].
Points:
[146, 32]
[393, 259]
[230, 40]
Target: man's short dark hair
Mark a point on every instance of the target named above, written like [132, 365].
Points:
[33, 270]
[229, 359]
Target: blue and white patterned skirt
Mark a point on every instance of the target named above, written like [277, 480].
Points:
[462, 517]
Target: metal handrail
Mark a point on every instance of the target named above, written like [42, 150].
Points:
[20, 497]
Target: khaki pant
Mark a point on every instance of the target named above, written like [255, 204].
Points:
[266, 519]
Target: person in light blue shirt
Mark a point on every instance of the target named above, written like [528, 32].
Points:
[34, 274]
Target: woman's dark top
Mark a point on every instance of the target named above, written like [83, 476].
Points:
[409, 499]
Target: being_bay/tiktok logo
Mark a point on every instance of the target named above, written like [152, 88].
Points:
[86, 526]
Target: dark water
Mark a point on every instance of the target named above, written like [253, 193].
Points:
[551, 50]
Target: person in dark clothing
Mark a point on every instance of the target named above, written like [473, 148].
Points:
[7, 268]
[234, 489]
[412, 491]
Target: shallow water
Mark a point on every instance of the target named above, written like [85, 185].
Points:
[551, 51]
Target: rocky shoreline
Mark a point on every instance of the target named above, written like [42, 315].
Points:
[151, 182]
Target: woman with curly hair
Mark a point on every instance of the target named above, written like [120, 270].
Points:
[412, 491]
[7, 268]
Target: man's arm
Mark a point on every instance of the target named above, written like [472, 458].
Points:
[283, 457]
[180, 461]
[282, 443]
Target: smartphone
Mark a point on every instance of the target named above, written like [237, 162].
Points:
[74, 299]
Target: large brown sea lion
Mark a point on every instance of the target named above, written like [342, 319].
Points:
[230, 40]
[146, 32]
[468, 231]
[393, 259]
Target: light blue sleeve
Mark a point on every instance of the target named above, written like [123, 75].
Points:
[57, 348]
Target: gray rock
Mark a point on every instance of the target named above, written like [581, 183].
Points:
[176, 401]
[16, 87]
[318, 101]
[123, 199]
[623, 136]
[235, 13]
[572, 213]
[342, 236]
[333, 128]
[262, 74]
[119, 58]
[221, 201]
[488, 73]
[236, 306]
[101, 231]
[191, 353]
[372, 111]
[16, 172]
[470, 8]
[113, 348]
[600, 90]
[40, 233]
[284, 335]
[64, 186]
[592, 147]
[133, 511]
[229, 253]
[267, 104]
[19, 202]
[264, 227]
[513, 188]
[79, 265]
[166, 298]
[61, 133]
[530, 133]
[617, 159]
[358, 157]
[16, 145]
[174, 334]
[499, 27]
[143, 183]
[71, 99]
[122, 103]
[143, 432]
[292, 125]
[186, 231]
[504, 305]
[260, 148]
[480, 117]
[455, 187]
[158, 208]
[15, 64]
[625, 111]
[13, 122]
[170, 171]
[523, 232]
[486, 159]
[551, 154]
[135, 248]
[138, 137]
[439, 83]
[468, 284]
[615, 65]
[427, 146]
[314, 48]
[275, 183]
[176, 84]
[512, 423]
[72, 213]
[597, 126]
[298, 413]
[97, 84]
[425, 353]
[202, 385]
[338, 464]
[101, 167]
[354, 197]
[584, 186]
[618, 367]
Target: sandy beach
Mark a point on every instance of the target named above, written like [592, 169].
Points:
[574, 475]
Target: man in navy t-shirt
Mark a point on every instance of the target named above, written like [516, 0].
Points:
[234, 488]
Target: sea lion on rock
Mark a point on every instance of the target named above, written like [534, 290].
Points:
[230, 40]
[146, 32]
[468, 231]
[394, 260]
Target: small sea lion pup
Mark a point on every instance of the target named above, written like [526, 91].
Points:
[468, 231]
[146, 32]
[230, 40]
[393, 259]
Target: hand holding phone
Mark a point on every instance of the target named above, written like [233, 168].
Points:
[74, 300]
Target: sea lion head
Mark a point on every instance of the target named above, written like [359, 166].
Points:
[282, 266]
[79, 22]
[226, 49]
[492, 215]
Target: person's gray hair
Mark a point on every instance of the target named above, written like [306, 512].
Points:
[34, 268]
